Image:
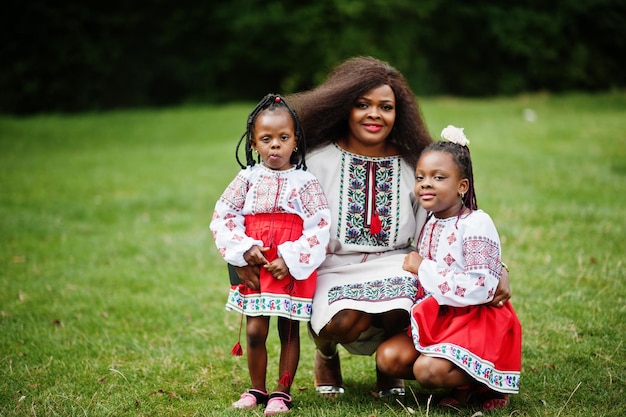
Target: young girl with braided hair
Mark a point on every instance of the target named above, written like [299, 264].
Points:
[457, 339]
[273, 220]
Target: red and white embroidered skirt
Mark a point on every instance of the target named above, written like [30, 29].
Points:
[484, 341]
[287, 297]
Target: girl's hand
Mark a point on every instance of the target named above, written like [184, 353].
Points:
[254, 255]
[412, 262]
[278, 268]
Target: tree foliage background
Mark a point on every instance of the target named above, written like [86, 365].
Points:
[75, 55]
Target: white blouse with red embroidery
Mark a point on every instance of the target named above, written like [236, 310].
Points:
[257, 190]
[461, 263]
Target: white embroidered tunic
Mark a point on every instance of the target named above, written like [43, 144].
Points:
[375, 214]
[461, 259]
[257, 190]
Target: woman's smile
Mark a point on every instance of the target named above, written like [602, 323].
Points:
[373, 127]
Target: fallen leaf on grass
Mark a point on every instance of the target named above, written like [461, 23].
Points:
[161, 392]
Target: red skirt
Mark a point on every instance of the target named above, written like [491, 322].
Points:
[484, 341]
[287, 297]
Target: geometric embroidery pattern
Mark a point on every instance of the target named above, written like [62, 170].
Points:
[313, 241]
[444, 288]
[449, 259]
[481, 253]
[267, 193]
[428, 247]
[235, 194]
[313, 197]
[231, 225]
[305, 258]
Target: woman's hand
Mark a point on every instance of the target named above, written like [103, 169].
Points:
[503, 292]
[412, 262]
[249, 276]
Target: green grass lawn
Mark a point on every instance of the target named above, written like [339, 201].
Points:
[112, 292]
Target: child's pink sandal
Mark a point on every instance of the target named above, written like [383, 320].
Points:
[251, 399]
[279, 402]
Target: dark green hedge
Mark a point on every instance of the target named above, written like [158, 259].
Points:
[86, 55]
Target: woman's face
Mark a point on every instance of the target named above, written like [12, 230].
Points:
[371, 120]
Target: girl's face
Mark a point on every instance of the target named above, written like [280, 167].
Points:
[370, 122]
[438, 184]
[274, 138]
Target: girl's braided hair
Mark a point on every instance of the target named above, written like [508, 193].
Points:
[272, 102]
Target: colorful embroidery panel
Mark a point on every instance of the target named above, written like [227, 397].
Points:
[368, 206]
[377, 290]
[270, 305]
[472, 364]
